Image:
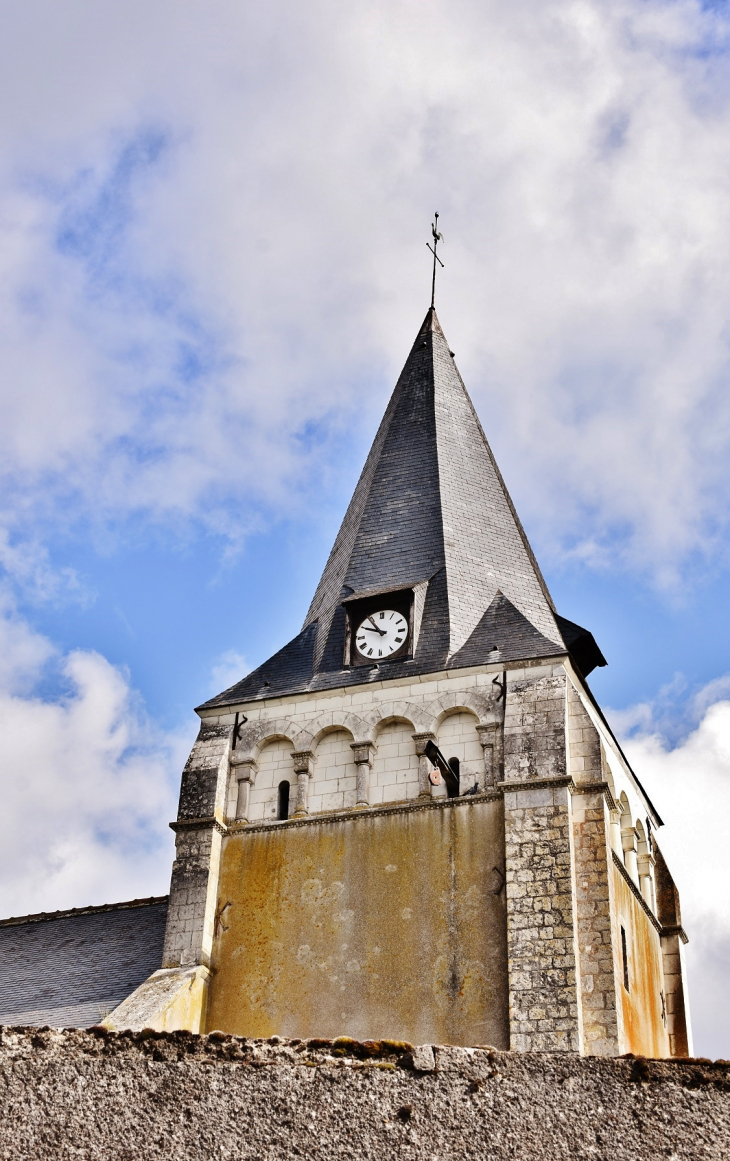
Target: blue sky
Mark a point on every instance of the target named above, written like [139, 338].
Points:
[213, 264]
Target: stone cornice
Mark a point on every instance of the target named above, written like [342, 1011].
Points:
[209, 823]
[355, 814]
[537, 784]
[595, 788]
[676, 929]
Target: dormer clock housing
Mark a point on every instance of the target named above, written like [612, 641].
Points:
[379, 627]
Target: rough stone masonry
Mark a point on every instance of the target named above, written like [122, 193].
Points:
[129, 1096]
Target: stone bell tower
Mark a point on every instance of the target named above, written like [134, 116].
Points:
[413, 821]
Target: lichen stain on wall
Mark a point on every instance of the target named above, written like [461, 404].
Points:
[372, 926]
[644, 1031]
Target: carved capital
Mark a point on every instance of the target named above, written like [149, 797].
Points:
[362, 753]
[303, 762]
[421, 740]
[425, 789]
[246, 770]
[490, 737]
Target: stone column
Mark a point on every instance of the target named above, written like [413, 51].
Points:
[176, 995]
[363, 755]
[199, 829]
[675, 976]
[246, 777]
[544, 988]
[424, 766]
[303, 768]
[542, 947]
[595, 908]
[628, 842]
[673, 939]
[490, 737]
[616, 844]
[645, 866]
[596, 825]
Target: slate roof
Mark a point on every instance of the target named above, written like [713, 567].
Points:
[430, 506]
[71, 968]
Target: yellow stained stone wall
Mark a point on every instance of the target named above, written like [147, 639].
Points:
[387, 924]
[644, 1030]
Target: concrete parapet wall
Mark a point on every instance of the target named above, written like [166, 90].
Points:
[70, 1094]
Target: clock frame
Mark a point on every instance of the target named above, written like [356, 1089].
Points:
[357, 609]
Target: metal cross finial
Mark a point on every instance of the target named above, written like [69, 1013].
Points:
[436, 239]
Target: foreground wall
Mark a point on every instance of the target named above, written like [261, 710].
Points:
[174, 1095]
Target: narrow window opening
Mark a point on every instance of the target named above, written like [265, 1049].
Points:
[625, 959]
[283, 810]
[454, 764]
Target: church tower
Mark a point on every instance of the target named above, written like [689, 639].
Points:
[413, 821]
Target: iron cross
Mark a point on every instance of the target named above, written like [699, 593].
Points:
[436, 239]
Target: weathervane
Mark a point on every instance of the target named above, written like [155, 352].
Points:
[436, 239]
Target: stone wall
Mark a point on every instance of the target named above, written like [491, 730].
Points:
[124, 1097]
[544, 997]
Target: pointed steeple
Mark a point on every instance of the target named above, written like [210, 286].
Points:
[431, 496]
[430, 513]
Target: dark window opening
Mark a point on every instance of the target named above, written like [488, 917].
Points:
[625, 959]
[283, 811]
[454, 764]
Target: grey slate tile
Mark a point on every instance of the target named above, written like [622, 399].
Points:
[72, 968]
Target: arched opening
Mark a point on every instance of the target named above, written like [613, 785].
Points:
[334, 781]
[645, 864]
[628, 839]
[458, 741]
[274, 766]
[283, 801]
[394, 775]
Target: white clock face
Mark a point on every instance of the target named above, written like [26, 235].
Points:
[381, 634]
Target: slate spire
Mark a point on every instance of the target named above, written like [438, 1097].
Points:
[431, 497]
[430, 512]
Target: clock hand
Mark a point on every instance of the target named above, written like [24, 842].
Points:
[375, 627]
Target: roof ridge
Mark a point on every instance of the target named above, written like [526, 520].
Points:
[41, 916]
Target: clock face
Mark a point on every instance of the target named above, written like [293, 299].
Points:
[381, 634]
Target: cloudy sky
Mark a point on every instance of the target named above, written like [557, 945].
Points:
[213, 220]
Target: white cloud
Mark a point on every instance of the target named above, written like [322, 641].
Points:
[690, 784]
[89, 784]
[214, 235]
[26, 565]
[228, 669]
